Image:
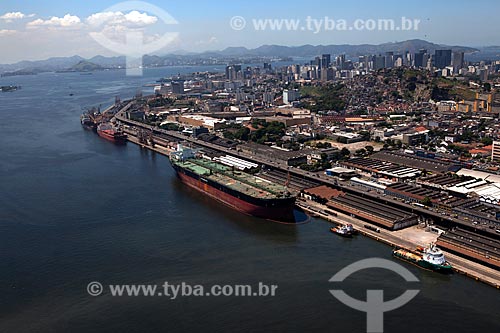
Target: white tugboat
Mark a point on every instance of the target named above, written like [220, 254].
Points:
[429, 258]
[344, 231]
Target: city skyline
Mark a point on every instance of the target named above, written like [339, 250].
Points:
[32, 30]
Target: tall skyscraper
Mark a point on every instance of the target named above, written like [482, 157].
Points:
[457, 61]
[327, 74]
[442, 58]
[378, 62]
[389, 59]
[325, 61]
[317, 61]
[339, 61]
[232, 72]
[418, 58]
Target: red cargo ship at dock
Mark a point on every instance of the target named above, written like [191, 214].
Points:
[108, 132]
[244, 192]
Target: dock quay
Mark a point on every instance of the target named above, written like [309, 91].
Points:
[405, 240]
[299, 180]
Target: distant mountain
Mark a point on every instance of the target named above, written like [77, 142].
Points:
[304, 51]
[52, 64]
[350, 50]
[108, 61]
[85, 66]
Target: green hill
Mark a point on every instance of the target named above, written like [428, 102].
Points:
[85, 66]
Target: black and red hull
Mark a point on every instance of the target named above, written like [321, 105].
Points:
[278, 209]
[115, 137]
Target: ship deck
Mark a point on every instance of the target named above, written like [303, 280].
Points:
[240, 181]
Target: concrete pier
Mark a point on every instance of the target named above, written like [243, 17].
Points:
[405, 239]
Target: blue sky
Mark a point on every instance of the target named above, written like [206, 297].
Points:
[204, 25]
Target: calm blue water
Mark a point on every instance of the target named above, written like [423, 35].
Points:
[75, 208]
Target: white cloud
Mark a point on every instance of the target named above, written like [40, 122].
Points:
[11, 16]
[66, 21]
[4, 32]
[133, 19]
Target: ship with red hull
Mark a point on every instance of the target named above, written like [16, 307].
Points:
[244, 192]
[108, 132]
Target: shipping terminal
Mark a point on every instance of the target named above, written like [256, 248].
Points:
[265, 190]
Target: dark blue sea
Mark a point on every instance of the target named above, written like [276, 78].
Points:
[75, 209]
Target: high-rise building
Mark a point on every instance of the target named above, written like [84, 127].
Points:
[495, 152]
[457, 61]
[290, 95]
[233, 72]
[442, 58]
[418, 58]
[268, 97]
[339, 61]
[407, 58]
[378, 62]
[483, 74]
[389, 59]
[325, 61]
[178, 87]
[327, 74]
[317, 62]
[398, 60]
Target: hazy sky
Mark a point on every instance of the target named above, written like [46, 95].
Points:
[37, 29]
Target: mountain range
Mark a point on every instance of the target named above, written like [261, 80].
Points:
[270, 51]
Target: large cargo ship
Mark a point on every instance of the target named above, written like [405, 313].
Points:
[242, 191]
[108, 132]
[431, 258]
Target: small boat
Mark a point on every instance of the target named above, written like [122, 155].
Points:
[431, 258]
[344, 230]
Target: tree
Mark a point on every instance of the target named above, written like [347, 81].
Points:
[427, 201]
[369, 149]
[345, 152]
[487, 141]
[360, 152]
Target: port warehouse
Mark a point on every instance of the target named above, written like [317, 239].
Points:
[418, 162]
[446, 191]
[485, 186]
[471, 245]
[381, 168]
[363, 208]
[236, 162]
[469, 208]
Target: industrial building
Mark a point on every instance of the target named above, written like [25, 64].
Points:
[363, 208]
[381, 168]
